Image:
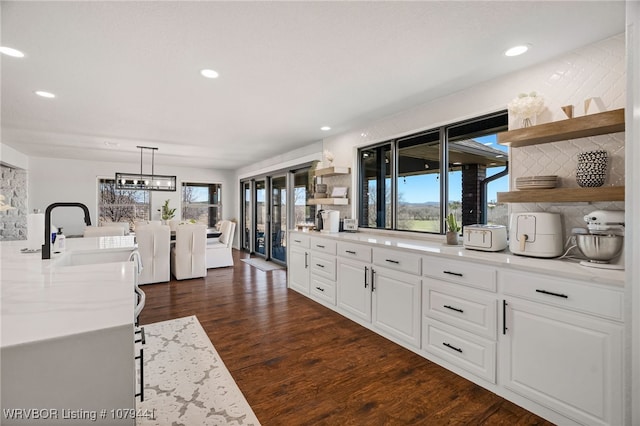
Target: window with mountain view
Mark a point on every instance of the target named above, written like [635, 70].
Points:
[403, 185]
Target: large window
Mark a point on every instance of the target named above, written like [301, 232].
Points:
[404, 186]
[121, 205]
[201, 203]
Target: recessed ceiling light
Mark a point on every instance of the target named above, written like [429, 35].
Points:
[209, 73]
[325, 128]
[488, 143]
[516, 50]
[9, 51]
[45, 94]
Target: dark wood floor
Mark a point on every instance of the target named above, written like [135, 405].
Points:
[299, 363]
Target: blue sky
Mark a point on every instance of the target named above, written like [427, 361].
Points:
[424, 188]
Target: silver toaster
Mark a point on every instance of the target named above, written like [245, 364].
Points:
[485, 237]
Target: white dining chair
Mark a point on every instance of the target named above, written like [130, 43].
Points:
[188, 255]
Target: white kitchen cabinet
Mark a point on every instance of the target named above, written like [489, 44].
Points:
[460, 311]
[298, 265]
[396, 304]
[564, 360]
[551, 344]
[322, 265]
[387, 299]
[466, 350]
[471, 310]
[354, 288]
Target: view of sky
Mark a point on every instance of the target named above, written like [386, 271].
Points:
[425, 188]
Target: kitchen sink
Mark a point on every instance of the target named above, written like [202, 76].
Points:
[90, 257]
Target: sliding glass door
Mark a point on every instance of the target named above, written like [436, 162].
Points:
[272, 204]
[279, 218]
[246, 216]
[261, 214]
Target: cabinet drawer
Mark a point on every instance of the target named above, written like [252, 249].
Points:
[323, 289]
[398, 260]
[297, 240]
[354, 251]
[323, 246]
[467, 273]
[470, 352]
[471, 310]
[323, 266]
[579, 296]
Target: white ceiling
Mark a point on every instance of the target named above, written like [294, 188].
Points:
[127, 73]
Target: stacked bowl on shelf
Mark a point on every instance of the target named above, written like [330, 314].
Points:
[536, 182]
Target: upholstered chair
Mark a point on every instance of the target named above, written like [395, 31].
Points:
[219, 250]
[154, 243]
[188, 256]
[103, 231]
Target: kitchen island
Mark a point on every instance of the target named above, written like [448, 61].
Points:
[67, 350]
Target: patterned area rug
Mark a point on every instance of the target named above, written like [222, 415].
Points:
[263, 265]
[186, 382]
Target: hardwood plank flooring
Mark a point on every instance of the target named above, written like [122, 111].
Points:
[299, 363]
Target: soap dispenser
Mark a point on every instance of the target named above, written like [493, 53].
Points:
[60, 241]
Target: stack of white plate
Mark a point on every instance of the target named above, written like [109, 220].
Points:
[536, 182]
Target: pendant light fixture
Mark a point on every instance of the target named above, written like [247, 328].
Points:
[152, 182]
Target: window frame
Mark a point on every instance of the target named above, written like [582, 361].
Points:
[444, 149]
[107, 179]
[219, 205]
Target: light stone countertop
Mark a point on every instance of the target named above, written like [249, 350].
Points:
[41, 300]
[504, 259]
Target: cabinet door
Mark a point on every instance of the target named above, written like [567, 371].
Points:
[569, 362]
[354, 288]
[396, 304]
[298, 270]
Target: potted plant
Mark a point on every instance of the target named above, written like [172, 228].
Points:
[453, 229]
[167, 213]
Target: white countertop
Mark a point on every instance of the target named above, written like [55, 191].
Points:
[437, 247]
[40, 300]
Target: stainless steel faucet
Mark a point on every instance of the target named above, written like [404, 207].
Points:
[46, 247]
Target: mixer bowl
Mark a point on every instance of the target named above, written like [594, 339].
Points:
[599, 248]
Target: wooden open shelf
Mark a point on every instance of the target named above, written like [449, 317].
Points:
[328, 201]
[556, 195]
[572, 128]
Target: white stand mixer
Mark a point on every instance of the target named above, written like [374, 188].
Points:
[604, 244]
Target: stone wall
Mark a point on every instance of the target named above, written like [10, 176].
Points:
[13, 185]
